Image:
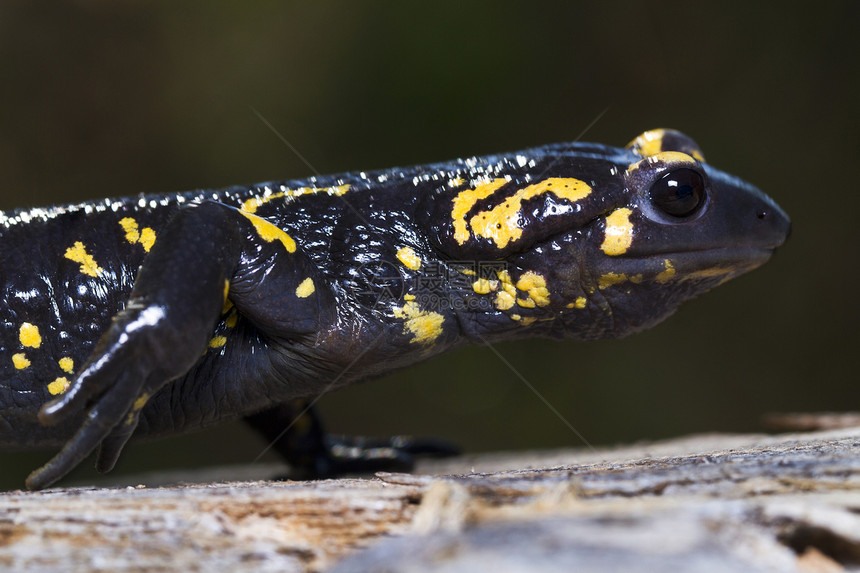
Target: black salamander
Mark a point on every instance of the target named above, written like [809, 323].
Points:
[156, 314]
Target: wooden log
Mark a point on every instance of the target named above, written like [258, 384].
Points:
[706, 503]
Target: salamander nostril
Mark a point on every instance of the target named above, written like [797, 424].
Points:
[762, 215]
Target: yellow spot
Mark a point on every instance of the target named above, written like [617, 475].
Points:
[648, 143]
[409, 259]
[254, 203]
[526, 302]
[29, 335]
[58, 386]
[484, 286]
[468, 272]
[66, 364]
[580, 302]
[408, 297]
[540, 295]
[425, 326]
[20, 360]
[619, 232]
[305, 289]
[524, 320]
[456, 182]
[535, 285]
[269, 232]
[666, 275]
[78, 253]
[672, 157]
[610, 279]
[129, 225]
[502, 222]
[145, 237]
[504, 300]
[231, 320]
[507, 283]
[140, 402]
[217, 341]
[667, 157]
[507, 297]
[530, 280]
[465, 200]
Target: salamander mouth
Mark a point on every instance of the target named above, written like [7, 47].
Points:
[723, 254]
[721, 264]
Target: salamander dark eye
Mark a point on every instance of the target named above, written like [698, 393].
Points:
[679, 193]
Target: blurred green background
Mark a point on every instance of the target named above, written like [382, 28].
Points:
[104, 99]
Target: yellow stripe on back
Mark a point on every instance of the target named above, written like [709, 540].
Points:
[269, 232]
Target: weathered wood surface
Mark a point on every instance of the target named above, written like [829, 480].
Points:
[707, 503]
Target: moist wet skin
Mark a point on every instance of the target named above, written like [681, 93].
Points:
[144, 316]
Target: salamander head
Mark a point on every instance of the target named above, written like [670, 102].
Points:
[604, 242]
[685, 228]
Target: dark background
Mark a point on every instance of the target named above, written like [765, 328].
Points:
[102, 99]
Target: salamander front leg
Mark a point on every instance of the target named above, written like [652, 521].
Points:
[206, 253]
[157, 337]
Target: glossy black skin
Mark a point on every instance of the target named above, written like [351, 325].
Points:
[283, 347]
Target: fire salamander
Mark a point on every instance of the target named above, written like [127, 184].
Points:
[155, 314]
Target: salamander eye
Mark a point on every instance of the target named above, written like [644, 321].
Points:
[679, 193]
